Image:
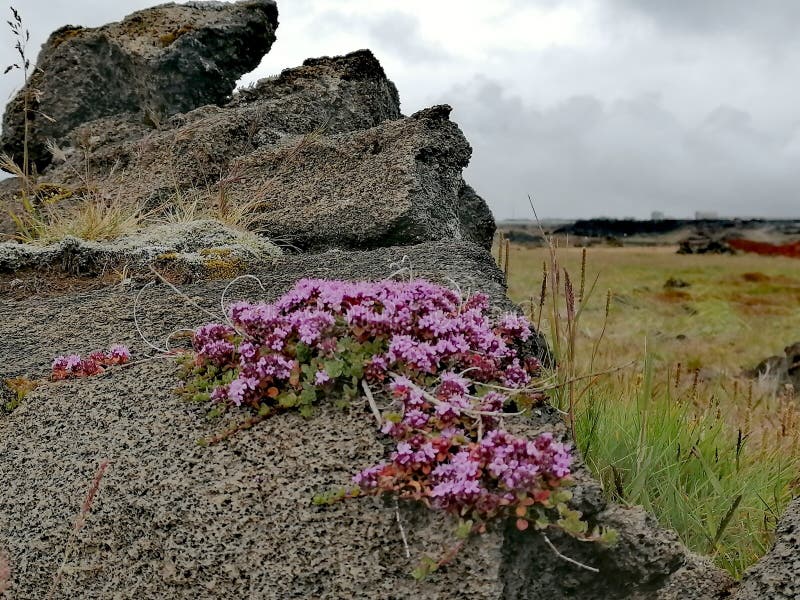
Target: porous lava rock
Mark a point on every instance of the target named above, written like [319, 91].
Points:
[777, 575]
[174, 519]
[156, 62]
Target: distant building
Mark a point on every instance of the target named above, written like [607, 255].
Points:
[705, 214]
[656, 215]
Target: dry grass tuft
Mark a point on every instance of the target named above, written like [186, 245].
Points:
[91, 219]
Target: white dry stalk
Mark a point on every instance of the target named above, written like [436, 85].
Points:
[181, 294]
[402, 529]
[372, 404]
[567, 558]
[227, 287]
[136, 321]
[473, 413]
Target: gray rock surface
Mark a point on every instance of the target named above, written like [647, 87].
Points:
[648, 563]
[176, 520]
[777, 575]
[477, 223]
[200, 249]
[9, 189]
[156, 62]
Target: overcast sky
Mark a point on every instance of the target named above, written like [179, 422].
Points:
[593, 107]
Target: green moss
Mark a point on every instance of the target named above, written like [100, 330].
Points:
[223, 268]
[216, 252]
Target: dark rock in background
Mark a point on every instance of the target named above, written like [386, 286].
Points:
[784, 369]
[704, 244]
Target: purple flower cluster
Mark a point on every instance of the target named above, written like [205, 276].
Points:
[440, 450]
[441, 359]
[73, 365]
[498, 470]
[421, 328]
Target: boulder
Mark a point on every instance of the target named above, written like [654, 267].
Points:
[338, 186]
[156, 62]
[777, 575]
[174, 519]
[782, 369]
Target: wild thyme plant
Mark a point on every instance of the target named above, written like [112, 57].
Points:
[73, 365]
[453, 375]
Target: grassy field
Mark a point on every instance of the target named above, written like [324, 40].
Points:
[678, 429]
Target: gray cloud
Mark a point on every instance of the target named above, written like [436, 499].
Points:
[392, 32]
[627, 157]
[774, 20]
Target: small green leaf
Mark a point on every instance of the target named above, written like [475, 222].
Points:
[609, 537]
[303, 352]
[333, 368]
[464, 529]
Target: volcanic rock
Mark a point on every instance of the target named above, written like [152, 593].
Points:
[156, 62]
[196, 249]
[783, 369]
[338, 186]
[777, 575]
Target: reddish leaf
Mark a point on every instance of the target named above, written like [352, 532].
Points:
[542, 495]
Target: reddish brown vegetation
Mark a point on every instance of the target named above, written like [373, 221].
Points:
[755, 277]
[791, 249]
[672, 295]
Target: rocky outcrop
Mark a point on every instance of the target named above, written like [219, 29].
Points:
[155, 63]
[177, 520]
[318, 157]
[777, 575]
[82, 319]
